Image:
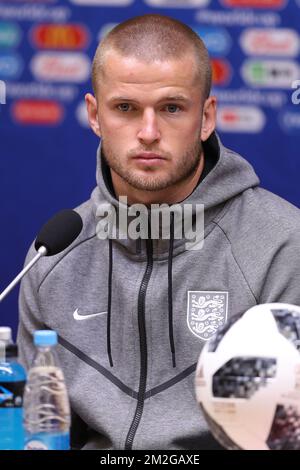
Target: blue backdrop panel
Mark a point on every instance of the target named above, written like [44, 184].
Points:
[47, 150]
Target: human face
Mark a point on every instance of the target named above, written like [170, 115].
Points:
[149, 117]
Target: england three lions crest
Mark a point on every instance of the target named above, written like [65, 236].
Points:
[206, 312]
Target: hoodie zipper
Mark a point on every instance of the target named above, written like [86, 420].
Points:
[143, 347]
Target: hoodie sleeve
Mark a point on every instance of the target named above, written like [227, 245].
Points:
[282, 279]
[263, 231]
[29, 313]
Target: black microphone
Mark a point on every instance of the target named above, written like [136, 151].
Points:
[55, 236]
[59, 232]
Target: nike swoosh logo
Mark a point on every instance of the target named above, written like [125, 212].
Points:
[77, 316]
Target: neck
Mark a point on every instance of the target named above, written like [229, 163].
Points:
[170, 195]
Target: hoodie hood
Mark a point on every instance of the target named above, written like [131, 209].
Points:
[230, 176]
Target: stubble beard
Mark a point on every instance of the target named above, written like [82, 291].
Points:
[183, 169]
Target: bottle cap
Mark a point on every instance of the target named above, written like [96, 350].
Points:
[11, 350]
[45, 338]
[5, 334]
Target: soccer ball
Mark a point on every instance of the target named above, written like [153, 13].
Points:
[248, 379]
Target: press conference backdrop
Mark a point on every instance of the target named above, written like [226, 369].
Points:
[47, 150]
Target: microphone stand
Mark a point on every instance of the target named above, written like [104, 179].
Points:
[42, 251]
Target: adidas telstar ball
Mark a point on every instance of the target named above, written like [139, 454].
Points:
[248, 379]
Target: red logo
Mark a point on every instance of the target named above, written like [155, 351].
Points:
[61, 66]
[221, 72]
[247, 119]
[255, 3]
[37, 112]
[270, 42]
[60, 36]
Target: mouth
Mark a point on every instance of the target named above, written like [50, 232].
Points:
[149, 158]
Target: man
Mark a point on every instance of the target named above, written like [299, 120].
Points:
[129, 311]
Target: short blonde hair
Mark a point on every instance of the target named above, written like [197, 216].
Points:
[154, 37]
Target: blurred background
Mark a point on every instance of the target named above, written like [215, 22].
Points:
[48, 153]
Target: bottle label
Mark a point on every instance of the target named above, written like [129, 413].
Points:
[11, 429]
[11, 394]
[48, 441]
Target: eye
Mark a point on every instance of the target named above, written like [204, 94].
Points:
[172, 108]
[124, 107]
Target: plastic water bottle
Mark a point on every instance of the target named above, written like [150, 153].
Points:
[12, 383]
[46, 403]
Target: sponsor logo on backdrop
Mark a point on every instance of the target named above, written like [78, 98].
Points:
[248, 119]
[11, 66]
[254, 3]
[270, 42]
[110, 3]
[244, 96]
[289, 121]
[2, 92]
[296, 93]
[34, 12]
[221, 72]
[270, 73]
[106, 28]
[37, 112]
[82, 115]
[61, 66]
[33, 1]
[10, 34]
[39, 90]
[60, 36]
[178, 3]
[217, 40]
[238, 17]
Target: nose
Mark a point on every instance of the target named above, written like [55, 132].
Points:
[149, 131]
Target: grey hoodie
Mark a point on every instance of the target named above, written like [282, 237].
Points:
[129, 313]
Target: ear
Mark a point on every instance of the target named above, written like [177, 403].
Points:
[209, 117]
[92, 110]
